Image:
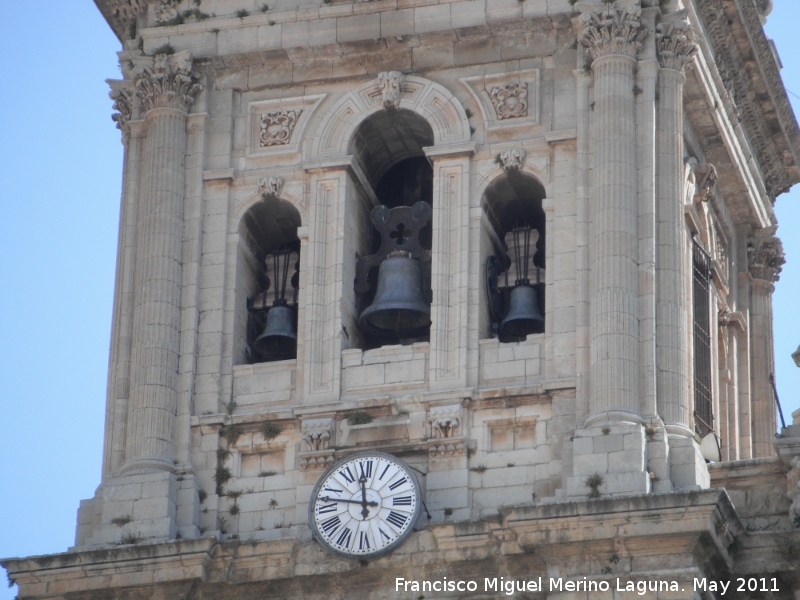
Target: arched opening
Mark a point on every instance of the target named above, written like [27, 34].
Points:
[513, 252]
[389, 147]
[267, 275]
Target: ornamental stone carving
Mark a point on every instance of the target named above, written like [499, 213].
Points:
[123, 104]
[675, 42]
[765, 258]
[168, 83]
[512, 160]
[270, 186]
[391, 84]
[277, 127]
[611, 30]
[445, 421]
[724, 318]
[705, 178]
[317, 434]
[127, 10]
[510, 101]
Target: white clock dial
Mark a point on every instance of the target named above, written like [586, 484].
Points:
[365, 505]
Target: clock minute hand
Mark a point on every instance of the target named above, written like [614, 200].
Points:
[364, 509]
[329, 499]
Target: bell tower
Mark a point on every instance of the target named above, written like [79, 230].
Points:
[460, 282]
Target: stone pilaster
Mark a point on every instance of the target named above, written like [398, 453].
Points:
[165, 90]
[675, 48]
[765, 259]
[612, 37]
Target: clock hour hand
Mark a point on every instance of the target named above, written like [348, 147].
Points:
[364, 509]
[329, 499]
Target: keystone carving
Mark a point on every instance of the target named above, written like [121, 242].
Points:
[123, 104]
[611, 30]
[765, 258]
[168, 83]
[270, 186]
[512, 159]
[675, 42]
[445, 421]
[277, 127]
[510, 101]
[391, 84]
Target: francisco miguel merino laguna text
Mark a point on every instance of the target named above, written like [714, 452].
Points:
[512, 586]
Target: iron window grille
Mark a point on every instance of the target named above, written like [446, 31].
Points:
[701, 297]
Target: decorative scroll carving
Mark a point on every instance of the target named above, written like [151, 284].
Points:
[675, 41]
[445, 421]
[765, 258]
[512, 159]
[391, 84]
[270, 186]
[317, 434]
[165, 10]
[277, 127]
[612, 30]
[123, 104]
[169, 83]
[510, 101]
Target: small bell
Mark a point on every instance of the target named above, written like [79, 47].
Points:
[279, 341]
[399, 307]
[523, 316]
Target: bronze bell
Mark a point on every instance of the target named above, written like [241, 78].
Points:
[279, 341]
[523, 315]
[399, 307]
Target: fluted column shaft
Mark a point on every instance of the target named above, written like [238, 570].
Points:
[671, 310]
[762, 360]
[615, 294]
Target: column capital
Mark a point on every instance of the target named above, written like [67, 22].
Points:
[675, 45]
[167, 82]
[122, 94]
[765, 257]
[611, 29]
[129, 10]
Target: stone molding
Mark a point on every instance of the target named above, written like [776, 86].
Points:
[765, 257]
[611, 30]
[168, 83]
[512, 160]
[277, 127]
[675, 45]
[270, 186]
[391, 84]
[510, 101]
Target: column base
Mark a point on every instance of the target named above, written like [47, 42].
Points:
[135, 508]
[687, 467]
[609, 460]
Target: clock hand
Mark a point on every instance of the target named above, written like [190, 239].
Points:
[364, 509]
[329, 499]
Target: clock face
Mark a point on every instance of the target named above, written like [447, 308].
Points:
[365, 505]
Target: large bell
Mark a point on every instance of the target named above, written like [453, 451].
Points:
[399, 308]
[523, 315]
[279, 340]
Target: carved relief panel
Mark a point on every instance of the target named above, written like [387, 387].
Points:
[276, 126]
[507, 99]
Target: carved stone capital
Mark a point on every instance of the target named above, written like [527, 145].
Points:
[391, 84]
[675, 45]
[127, 10]
[270, 186]
[510, 101]
[512, 160]
[611, 30]
[317, 434]
[168, 83]
[277, 127]
[445, 421]
[122, 95]
[765, 258]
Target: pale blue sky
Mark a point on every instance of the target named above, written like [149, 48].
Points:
[60, 167]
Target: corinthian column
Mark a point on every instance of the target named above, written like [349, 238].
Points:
[765, 259]
[612, 37]
[675, 48]
[165, 90]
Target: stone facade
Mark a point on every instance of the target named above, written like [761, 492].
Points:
[636, 135]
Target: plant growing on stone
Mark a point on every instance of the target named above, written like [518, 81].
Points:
[242, 13]
[264, 8]
[509, 465]
[235, 494]
[231, 406]
[120, 521]
[273, 503]
[796, 520]
[202, 495]
[130, 539]
[222, 476]
[479, 468]
[233, 510]
[649, 430]
[360, 418]
[606, 430]
[164, 49]
[270, 431]
[223, 454]
[593, 483]
[267, 473]
[448, 512]
[231, 433]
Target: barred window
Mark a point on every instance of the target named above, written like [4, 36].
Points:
[701, 283]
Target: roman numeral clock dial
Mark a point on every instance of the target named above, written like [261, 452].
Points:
[365, 505]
